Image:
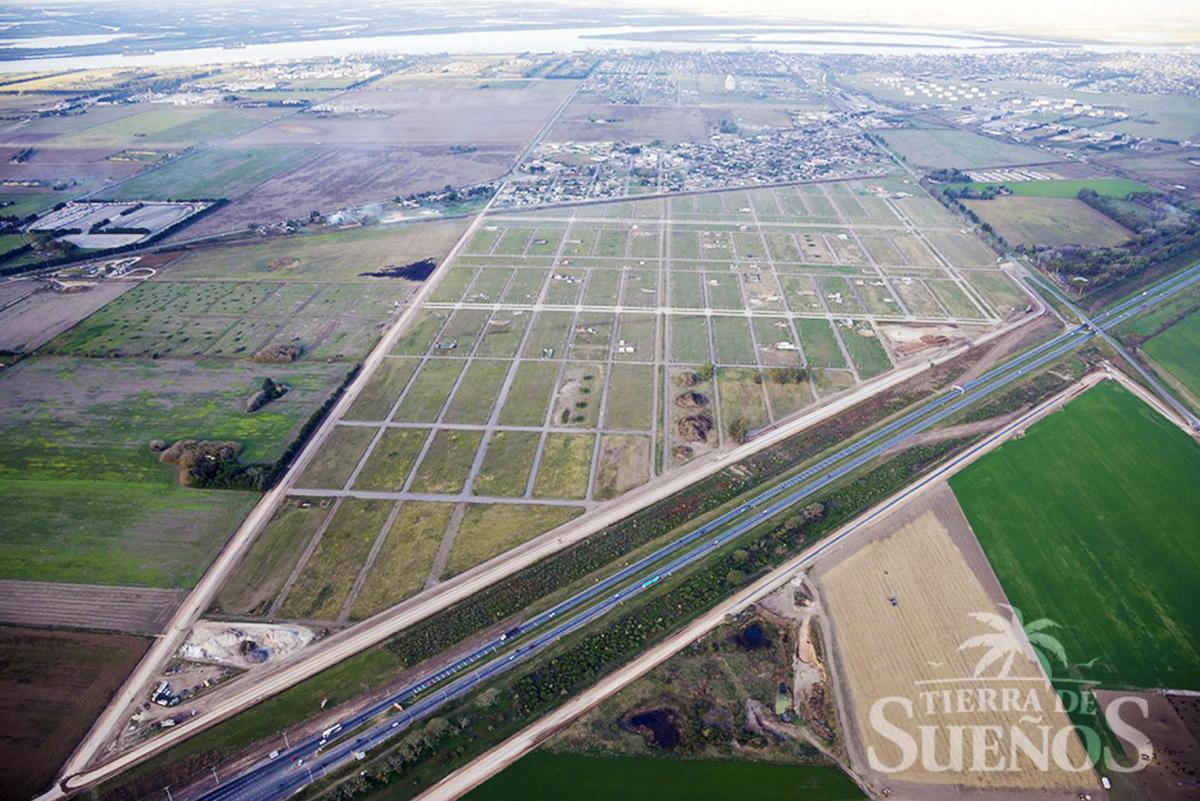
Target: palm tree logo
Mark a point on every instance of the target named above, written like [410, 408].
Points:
[1006, 643]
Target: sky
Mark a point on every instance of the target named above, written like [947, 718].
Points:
[1148, 21]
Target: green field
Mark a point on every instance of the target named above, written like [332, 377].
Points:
[489, 530]
[1048, 221]
[325, 582]
[326, 256]
[543, 776]
[1175, 351]
[404, 557]
[261, 573]
[1090, 520]
[110, 532]
[92, 419]
[216, 172]
[938, 147]
[1109, 187]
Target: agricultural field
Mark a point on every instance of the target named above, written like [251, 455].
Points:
[1173, 352]
[903, 602]
[1048, 221]
[51, 701]
[959, 149]
[236, 319]
[223, 172]
[543, 777]
[1114, 481]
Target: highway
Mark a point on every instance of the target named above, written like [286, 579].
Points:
[312, 758]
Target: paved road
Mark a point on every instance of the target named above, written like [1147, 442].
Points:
[279, 778]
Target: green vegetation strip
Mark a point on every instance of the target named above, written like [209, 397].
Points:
[1108, 187]
[550, 777]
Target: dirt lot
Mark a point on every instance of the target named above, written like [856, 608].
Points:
[1171, 726]
[351, 176]
[132, 610]
[52, 686]
[423, 116]
[902, 608]
[39, 318]
[582, 123]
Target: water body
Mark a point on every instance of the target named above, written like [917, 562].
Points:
[792, 39]
[40, 42]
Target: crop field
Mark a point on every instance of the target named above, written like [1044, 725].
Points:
[543, 776]
[1174, 352]
[212, 173]
[1114, 482]
[960, 149]
[1048, 221]
[565, 358]
[903, 602]
[49, 702]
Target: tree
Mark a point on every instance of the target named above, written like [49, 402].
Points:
[738, 429]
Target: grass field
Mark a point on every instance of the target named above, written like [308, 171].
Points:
[1174, 351]
[506, 465]
[543, 776]
[339, 454]
[260, 575]
[327, 578]
[1109, 187]
[391, 459]
[331, 256]
[563, 472]
[212, 173]
[488, 530]
[111, 532]
[1089, 520]
[404, 558]
[961, 149]
[1048, 221]
[48, 702]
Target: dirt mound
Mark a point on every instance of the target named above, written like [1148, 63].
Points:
[695, 427]
[688, 378]
[691, 400]
[281, 353]
[282, 263]
[935, 339]
[243, 645]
